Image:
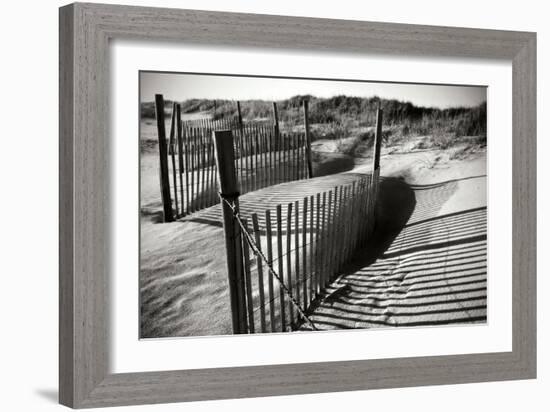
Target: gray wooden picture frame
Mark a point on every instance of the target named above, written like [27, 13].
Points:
[85, 31]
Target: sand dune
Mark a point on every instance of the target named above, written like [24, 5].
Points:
[426, 267]
[432, 271]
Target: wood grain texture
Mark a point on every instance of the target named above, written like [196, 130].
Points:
[524, 225]
[66, 184]
[85, 29]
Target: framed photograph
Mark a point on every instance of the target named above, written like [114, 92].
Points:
[256, 205]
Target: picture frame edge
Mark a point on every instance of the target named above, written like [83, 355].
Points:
[66, 184]
[524, 228]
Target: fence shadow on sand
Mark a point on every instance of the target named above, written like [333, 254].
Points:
[269, 197]
[420, 269]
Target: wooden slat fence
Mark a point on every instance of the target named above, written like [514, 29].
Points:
[290, 257]
[262, 156]
[307, 243]
[226, 123]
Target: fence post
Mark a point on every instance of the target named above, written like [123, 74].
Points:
[163, 153]
[276, 120]
[172, 130]
[227, 180]
[181, 166]
[172, 154]
[308, 141]
[240, 115]
[377, 141]
[376, 166]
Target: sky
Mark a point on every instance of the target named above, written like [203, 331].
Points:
[179, 87]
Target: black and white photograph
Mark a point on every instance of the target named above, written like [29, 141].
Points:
[272, 205]
[275, 206]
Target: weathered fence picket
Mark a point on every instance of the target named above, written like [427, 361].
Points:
[248, 282]
[304, 251]
[323, 230]
[311, 262]
[297, 248]
[271, 294]
[317, 245]
[280, 254]
[179, 137]
[259, 266]
[288, 253]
